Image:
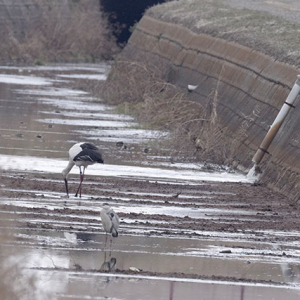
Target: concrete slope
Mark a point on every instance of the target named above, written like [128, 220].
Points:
[255, 76]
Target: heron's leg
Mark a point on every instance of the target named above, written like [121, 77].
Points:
[105, 240]
[104, 245]
[66, 185]
[110, 246]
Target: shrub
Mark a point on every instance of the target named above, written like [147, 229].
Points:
[61, 33]
[195, 129]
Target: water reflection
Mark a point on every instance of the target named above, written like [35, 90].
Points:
[84, 236]
[109, 265]
[79, 261]
[172, 287]
[291, 272]
[169, 255]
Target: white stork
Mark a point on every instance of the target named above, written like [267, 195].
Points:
[81, 155]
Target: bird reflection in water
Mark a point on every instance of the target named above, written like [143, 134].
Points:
[109, 265]
[290, 272]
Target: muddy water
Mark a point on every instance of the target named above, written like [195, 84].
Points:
[160, 253]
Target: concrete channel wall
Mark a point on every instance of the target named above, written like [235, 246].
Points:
[252, 88]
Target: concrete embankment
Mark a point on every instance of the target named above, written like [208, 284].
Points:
[254, 77]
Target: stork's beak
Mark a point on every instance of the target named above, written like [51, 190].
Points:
[66, 184]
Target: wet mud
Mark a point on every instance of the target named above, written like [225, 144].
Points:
[228, 207]
[183, 229]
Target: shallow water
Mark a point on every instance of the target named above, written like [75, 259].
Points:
[157, 254]
[100, 286]
[80, 258]
[40, 118]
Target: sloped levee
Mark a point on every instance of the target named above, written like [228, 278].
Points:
[252, 87]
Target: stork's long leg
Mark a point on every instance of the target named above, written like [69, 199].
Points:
[81, 180]
[66, 185]
[80, 174]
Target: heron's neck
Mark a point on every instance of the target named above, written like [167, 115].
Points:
[67, 170]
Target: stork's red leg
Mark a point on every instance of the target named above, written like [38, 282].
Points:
[79, 187]
[81, 180]
[80, 184]
[67, 189]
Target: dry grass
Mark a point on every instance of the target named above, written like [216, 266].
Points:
[77, 33]
[276, 36]
[195, 129]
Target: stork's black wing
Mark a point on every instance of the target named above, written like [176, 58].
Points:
[89, 155]
[89, 146]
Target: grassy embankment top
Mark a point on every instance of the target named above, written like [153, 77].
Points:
[273, 35]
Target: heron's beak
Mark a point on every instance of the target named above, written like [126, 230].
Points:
[66, 184]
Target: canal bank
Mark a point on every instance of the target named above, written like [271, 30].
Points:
[249, 52]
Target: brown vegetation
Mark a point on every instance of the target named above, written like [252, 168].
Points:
[139, 89]
[72, 34]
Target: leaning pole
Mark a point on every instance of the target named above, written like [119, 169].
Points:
[288, 104]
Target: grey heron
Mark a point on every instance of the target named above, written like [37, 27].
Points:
[110, 221]
[81, 155]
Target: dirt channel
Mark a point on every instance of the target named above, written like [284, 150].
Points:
[245, 220]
